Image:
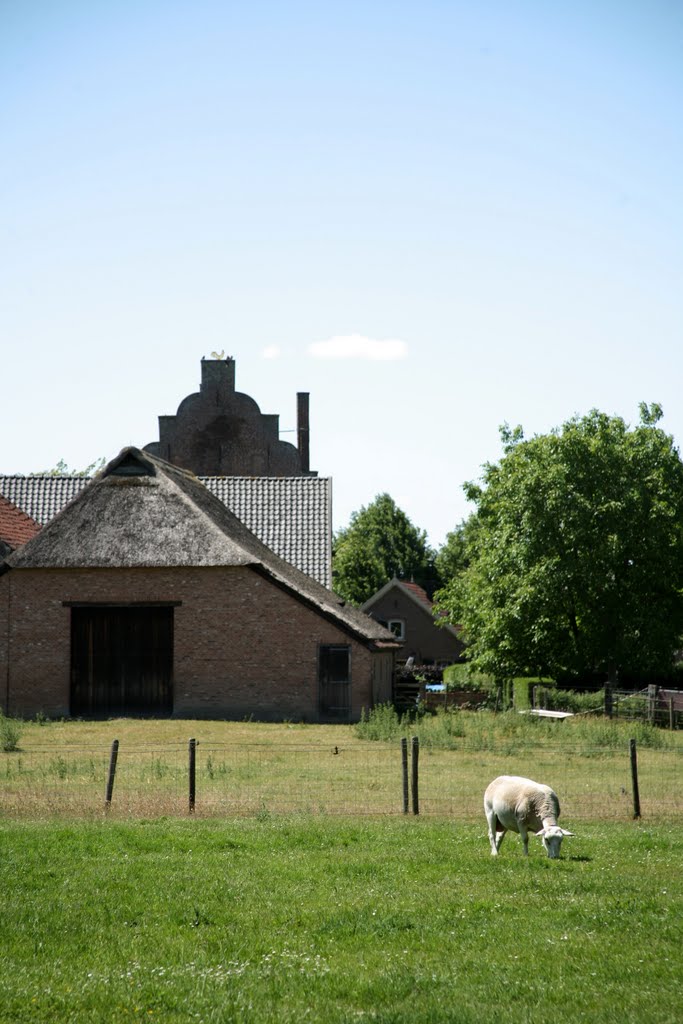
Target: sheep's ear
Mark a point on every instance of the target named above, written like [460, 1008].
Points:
[565, 833]
[541, 833]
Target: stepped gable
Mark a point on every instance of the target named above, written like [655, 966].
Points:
[219, 431]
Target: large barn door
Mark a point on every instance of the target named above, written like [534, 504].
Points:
[121, 661]
[334, 673]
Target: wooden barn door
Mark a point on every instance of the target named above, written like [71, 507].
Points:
[121, 661]
[334, 677]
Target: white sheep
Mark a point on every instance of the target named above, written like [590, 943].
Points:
[521, 805]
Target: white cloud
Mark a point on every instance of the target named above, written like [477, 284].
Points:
[271, 352]
[355, 346]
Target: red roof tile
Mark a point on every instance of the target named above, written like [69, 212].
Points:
[15, 526]
[419, 593]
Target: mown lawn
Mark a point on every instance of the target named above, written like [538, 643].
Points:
[303, 918]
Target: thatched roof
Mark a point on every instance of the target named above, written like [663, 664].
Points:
[142, 512]
[291, 515]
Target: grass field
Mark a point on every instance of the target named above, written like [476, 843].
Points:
[273, 904]
[301, 918]
[249, 768]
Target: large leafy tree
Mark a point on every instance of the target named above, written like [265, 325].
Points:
[453, 556]
[574, 554]
[379, 543]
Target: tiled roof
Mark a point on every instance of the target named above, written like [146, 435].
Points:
[41, 497]
[143, 512]
[419, 593]
[15, 526]
[291, 515]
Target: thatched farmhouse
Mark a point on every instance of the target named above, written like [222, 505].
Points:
[145, 594]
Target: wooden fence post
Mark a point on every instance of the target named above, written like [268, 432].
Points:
[404, 772]
[416, 756]
[609, 703]
[193, 773]
[651, 702]
[671, 713]
[113, 757]
[634, 778]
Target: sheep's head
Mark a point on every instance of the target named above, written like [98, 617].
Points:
[551, 837]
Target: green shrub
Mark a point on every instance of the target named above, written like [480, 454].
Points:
[10, 732]
[573, 700]
[380, 723]
[463, 677]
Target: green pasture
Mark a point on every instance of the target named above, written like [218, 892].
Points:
[249, 768]
[301, 918]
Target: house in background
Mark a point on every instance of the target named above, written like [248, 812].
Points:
[15, 527]
[221, 435]
[145, 594]
[405, 609]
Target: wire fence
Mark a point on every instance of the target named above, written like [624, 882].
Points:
[380, 778]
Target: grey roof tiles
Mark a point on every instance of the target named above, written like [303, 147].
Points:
[291, 515]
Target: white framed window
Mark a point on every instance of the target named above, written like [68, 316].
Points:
[398, 628]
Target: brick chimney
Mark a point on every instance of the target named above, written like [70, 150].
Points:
[302, 430]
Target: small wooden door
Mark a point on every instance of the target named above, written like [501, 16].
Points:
[121, 660]
[334, 675]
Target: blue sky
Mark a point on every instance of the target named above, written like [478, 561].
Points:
[484, 202]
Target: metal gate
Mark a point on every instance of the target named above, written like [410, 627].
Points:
[121, 660]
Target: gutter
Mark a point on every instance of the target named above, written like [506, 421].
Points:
[9, 623]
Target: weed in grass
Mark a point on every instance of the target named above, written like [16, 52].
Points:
[10, 734]
[159, 768]
[59, 767]
[380, 723]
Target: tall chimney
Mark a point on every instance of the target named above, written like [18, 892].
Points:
[302, 430]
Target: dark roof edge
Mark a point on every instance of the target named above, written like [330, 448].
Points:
[325, 613]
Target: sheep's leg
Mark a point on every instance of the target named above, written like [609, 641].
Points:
[493, 839]
[500, 836]
[525, 837]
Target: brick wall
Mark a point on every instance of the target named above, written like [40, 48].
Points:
[242, 646]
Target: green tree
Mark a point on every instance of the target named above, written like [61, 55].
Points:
[453, 556]
[575, 552]
[61, 469]
[379, 543]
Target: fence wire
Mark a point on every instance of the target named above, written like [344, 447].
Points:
[593, 784]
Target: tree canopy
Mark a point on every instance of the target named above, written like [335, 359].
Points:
[379, 543]
[573, 560]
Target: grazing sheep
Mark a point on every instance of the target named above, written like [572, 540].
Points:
[511, 802]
